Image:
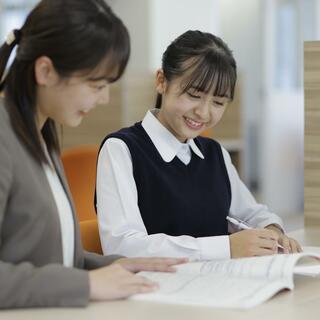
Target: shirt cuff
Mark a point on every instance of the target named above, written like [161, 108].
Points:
[217, 247]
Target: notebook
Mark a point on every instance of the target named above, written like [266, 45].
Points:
[233, 283]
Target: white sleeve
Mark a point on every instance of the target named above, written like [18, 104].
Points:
[243, 204]
[121, 227]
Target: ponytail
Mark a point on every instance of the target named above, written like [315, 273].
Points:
[5, 51]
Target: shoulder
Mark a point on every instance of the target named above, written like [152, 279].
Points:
[6, 145]
[113, 145]
[7, 134]
[5, 124]
[205, 143]
[125, 138]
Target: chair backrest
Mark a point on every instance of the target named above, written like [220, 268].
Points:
[80, 168]
[90, 236]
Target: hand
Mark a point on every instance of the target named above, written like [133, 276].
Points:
[253, 242]
[114, 282]
[290, 245]
[150, 264]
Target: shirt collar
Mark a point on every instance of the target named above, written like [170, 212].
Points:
[165, 142]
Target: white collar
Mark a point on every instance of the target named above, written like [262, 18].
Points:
[165, 142]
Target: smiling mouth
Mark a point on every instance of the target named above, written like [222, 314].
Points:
[83, 112]
[195, 125]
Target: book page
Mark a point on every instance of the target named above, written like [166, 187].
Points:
[233, 283]
[215, 290]
[309, 267]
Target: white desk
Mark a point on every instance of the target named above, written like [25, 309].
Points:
[303, 303]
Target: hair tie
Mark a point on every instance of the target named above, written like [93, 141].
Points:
[13, 37]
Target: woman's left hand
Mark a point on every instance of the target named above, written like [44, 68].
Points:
[290, 245]
[150, 264]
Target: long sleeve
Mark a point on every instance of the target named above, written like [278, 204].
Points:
[243, 204]
[94, 261]
[121, 227]
[23, 284]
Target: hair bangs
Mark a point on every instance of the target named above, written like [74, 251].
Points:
[210, 74]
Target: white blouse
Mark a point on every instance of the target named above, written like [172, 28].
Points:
[121, 227]
[64, 211]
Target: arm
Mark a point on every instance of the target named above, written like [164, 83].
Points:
[94, 261]
[243, 204]
[245, 208]
[22, 284]
[121, 227]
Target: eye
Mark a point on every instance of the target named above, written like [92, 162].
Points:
[194, 96]
[219, 104]
[98, 87]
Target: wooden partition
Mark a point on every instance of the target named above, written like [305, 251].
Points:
[312, 133]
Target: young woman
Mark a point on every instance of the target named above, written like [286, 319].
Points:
[68, 51]
[162, 189]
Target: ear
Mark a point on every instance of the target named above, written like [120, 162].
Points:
[161, 82]
[45, 72]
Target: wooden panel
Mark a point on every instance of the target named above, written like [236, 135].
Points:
[312, 133]
[230, 126]
[130, 98]
[98, 123]
[140, 96]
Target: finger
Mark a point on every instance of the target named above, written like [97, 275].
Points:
[169, 261]
[264, 252]
[158, 264]
[140, 280]
[135, 289]
[268, 234]
[293, 245]
[284, 241]
[174, 261]
[268, 244]
[299, 247]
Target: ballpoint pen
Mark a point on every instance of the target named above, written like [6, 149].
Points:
[244, 225]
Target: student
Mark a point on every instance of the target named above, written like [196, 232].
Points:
[68, 51]
[164, 190]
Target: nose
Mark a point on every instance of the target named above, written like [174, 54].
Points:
[202, 111]
[104, 96]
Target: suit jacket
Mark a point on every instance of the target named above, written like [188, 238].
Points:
[31, 269]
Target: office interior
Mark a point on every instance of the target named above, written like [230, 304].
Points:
[263, 128]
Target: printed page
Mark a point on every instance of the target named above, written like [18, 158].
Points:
[309, 267]
[212, 289]
[234, 283]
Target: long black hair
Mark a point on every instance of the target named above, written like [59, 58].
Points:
[204, 60]
[78, 36]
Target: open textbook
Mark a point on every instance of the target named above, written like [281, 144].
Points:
[234, 283]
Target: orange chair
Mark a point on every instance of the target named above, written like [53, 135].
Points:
[90, 236]
[207, 133]
[80, 168]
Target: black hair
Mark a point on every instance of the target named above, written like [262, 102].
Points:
[205, 62]
[78, 36]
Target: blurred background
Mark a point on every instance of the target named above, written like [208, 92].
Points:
[263, 128]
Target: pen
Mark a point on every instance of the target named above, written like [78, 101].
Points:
[243, 225]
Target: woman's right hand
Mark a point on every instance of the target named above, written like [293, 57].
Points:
[253, 242]
[114, 282]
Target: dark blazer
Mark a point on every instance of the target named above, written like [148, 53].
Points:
[31, 269]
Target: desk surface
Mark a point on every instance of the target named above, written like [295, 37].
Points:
[301, 303]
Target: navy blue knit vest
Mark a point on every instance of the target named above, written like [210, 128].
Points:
[176, 199]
